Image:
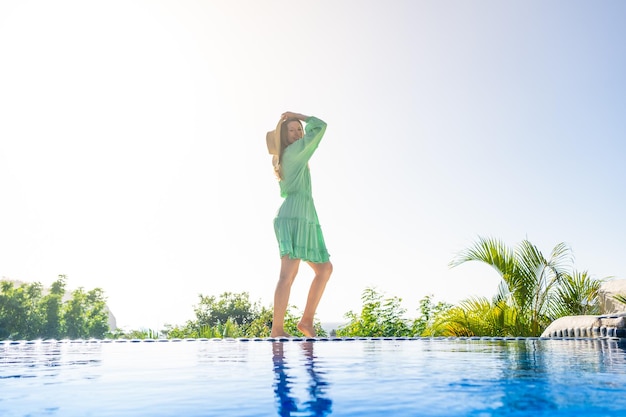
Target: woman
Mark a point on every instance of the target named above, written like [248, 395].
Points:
[296, 225]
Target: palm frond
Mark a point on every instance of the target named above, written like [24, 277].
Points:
[476, 316]
[531, 264]
[561, 257]
[539, 277]
[504, 293]
[490, 251]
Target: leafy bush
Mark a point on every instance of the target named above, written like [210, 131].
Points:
[384, 317]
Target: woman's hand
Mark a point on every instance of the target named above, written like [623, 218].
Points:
[291, 115]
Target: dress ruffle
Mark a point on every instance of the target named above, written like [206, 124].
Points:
[300, 240]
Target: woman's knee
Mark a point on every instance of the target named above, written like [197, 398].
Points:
[326, 269]
[287, 277]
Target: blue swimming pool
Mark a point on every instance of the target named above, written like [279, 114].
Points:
[362, 377]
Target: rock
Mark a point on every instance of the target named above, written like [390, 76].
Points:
[608, 290]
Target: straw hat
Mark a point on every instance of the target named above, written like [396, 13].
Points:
[273, 139]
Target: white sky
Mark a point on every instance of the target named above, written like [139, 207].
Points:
[132, 143]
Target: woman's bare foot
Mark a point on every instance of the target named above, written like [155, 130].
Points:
[307, 330]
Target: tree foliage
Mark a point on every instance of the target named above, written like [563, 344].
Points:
[85, 315]
[19, 315]
[29, 312]
[229, 306]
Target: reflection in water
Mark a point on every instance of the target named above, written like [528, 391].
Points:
[318, 403]
[535, 375]
[47, 358]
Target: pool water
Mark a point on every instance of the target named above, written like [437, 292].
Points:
[360, 377]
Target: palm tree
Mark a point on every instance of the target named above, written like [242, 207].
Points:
[527, 293]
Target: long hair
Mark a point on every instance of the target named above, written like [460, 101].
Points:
[283, 144]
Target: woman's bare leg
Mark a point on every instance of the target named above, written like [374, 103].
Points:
[322, 275]
[288, 272]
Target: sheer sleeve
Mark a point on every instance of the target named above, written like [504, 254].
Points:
[313, 133]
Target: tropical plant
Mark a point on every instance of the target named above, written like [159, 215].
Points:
[534, 290]
[479, 316]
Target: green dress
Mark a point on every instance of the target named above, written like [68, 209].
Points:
[296, 225]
